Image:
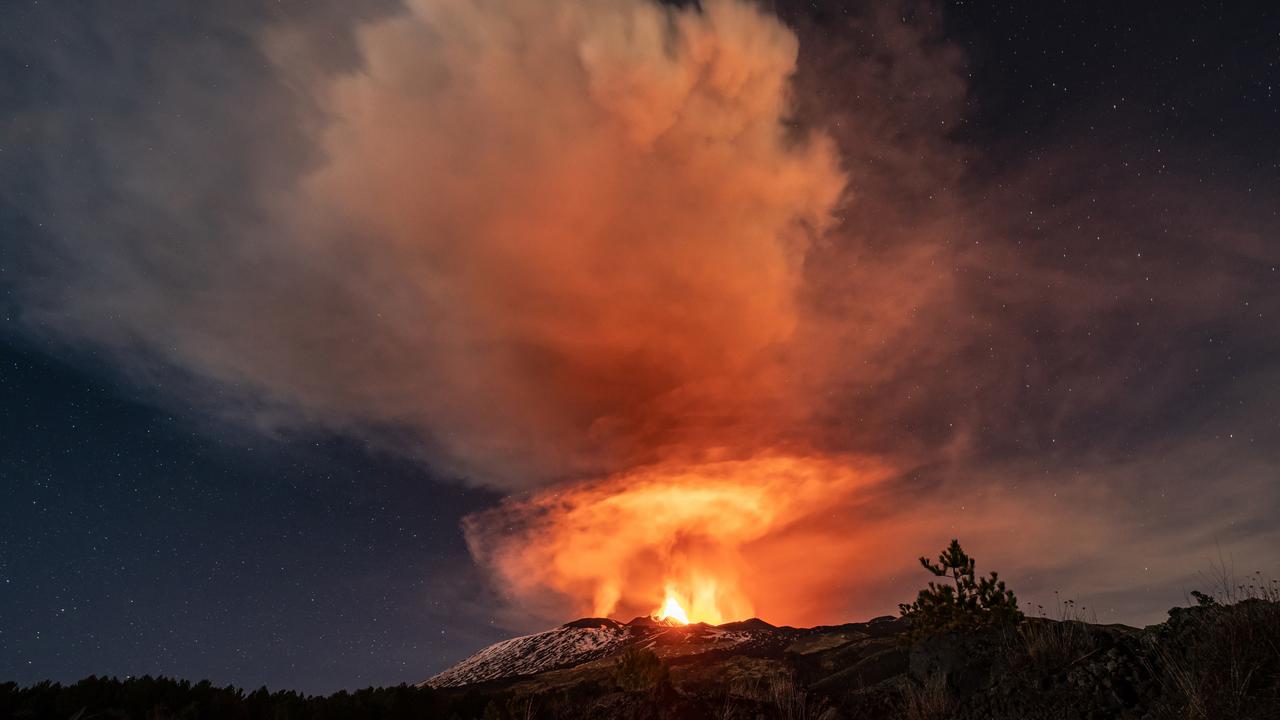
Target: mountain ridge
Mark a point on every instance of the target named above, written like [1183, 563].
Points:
[582, 641]
[1038, 669]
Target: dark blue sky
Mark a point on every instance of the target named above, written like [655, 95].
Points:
[135, 541]
[1121, 164]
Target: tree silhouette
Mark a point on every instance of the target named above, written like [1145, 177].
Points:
[964, 604]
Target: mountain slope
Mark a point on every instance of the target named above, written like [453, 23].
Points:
[565, 646]
[1219, 657]
[582, 641]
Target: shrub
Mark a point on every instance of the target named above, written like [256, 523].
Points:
[966, 603]
[639, 669]
[1221, 658]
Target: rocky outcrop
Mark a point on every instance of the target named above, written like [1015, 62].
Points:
[1221, 662]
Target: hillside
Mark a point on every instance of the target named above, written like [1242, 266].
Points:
[582, 641]
[1212, 662]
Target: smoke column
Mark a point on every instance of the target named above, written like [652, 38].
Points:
[601, 217]
[593, 214]
[723, 315]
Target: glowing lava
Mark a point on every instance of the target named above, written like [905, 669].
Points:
[705, 542]
[671, 610]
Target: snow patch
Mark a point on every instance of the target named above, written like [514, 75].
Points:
[530, 654]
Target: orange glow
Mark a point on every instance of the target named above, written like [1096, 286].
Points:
[671, 610]
[696, 537]
[615, 330]
[641, 269]
[701, 594]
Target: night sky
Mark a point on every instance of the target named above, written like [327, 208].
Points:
[1078, 201]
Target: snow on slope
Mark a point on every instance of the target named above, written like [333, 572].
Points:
[536, 653]
[589, 639]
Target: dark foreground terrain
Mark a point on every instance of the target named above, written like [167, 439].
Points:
[1211, 661]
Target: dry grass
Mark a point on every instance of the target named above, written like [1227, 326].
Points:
[1222, 657]
[793, 703]
[780, 698]
[640, 669]
[1225, 588]
[1054, 637]
[930, 700]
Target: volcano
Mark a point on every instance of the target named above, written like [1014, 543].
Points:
[873, 670]
[592, 643]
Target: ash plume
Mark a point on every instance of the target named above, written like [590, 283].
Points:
[642, 266]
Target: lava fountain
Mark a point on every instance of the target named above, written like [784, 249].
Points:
[671, 610]
[604, 272]
[687, 539]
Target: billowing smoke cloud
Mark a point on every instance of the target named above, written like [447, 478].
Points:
[540, 238]
[590, 222]
[716, 536]
[729, 305]
[604, 219]
[538, 241]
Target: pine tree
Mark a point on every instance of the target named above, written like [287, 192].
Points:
[964, 604]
